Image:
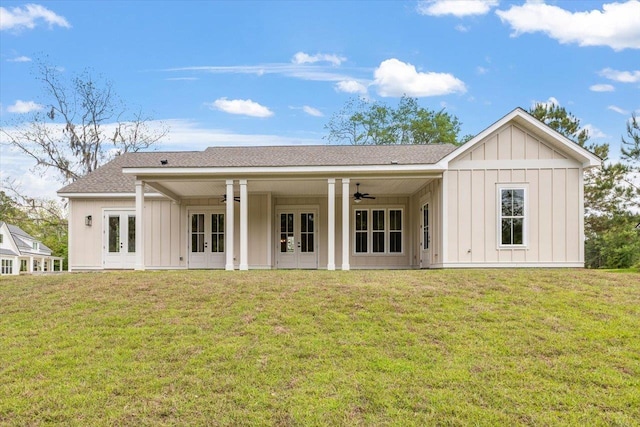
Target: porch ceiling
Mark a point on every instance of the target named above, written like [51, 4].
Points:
[300, 187]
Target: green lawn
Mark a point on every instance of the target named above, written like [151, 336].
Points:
[480, 347]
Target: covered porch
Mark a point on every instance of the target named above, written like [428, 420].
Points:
[301, 220]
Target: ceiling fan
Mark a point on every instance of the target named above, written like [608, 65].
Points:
[358, 196]
[224, 198]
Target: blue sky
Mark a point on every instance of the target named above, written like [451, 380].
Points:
[247, 73]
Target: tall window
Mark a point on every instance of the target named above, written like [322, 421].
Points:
[362, 231]
[307, 232]
[395, 230]
[1, 238]
[378, 231]
[512, 216]
[217, 232]
[7, 266]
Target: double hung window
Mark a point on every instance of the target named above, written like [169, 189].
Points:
[512, 216]
[378, 231]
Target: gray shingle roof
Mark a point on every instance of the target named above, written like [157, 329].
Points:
[110, 179]
[7, 252]
[19, 235]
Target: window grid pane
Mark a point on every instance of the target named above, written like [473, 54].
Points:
[114, 234]
[131, 244]
[512, 216]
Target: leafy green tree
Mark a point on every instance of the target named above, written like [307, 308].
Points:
[361, 122]
[630, 153]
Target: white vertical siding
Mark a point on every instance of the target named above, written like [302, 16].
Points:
[554, 203]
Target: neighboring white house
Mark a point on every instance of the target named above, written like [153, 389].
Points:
[512, 196]
[21, 252]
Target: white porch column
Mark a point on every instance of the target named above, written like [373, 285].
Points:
[139, 225]
[30, 268]
[244, 226]
[229, 226]
[331, 225]
[345, 224]
[15, 269]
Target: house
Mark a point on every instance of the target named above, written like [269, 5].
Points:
[19, 251]
[510, 197]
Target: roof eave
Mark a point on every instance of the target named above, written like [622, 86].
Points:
[256, 171]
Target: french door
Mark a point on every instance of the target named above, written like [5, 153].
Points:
[207, 240]
[297, 234]
[425, 236]
[119, 247]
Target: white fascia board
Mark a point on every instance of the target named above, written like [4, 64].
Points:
[581, 154]
[281, 170]
[107, 195]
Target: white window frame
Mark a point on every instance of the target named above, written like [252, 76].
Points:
[6, 266]
[525, 218]
[370, 231]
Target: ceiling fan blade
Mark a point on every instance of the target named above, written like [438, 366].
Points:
[366, 196]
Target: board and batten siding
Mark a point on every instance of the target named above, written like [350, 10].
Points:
[554, 216]
[164, 235]
[431, 192]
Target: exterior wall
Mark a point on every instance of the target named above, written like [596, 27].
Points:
[85, 243]
[163, 236]
[431, 192]
[554, 214]
[258, 231]
[383, 261]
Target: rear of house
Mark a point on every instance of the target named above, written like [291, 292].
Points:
[512, 196]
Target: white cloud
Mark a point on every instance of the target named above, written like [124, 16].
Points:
[548, 103]
[462, 28]
[594, 132]
[23, 107]
[312, 111]
[304, 58]
[602, 88]
[616, 25]
[621, 76]
[19, 18]
[244, 107]
[19, 59]
[303, 72]
[617, 110]
[457, 8]
[482, 70]
[351, 86]
[396, 78]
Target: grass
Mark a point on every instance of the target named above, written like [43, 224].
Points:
[480, 347]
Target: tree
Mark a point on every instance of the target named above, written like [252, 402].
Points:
[630, 153]
[373, 123]
[559, 119]
[82, 124]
